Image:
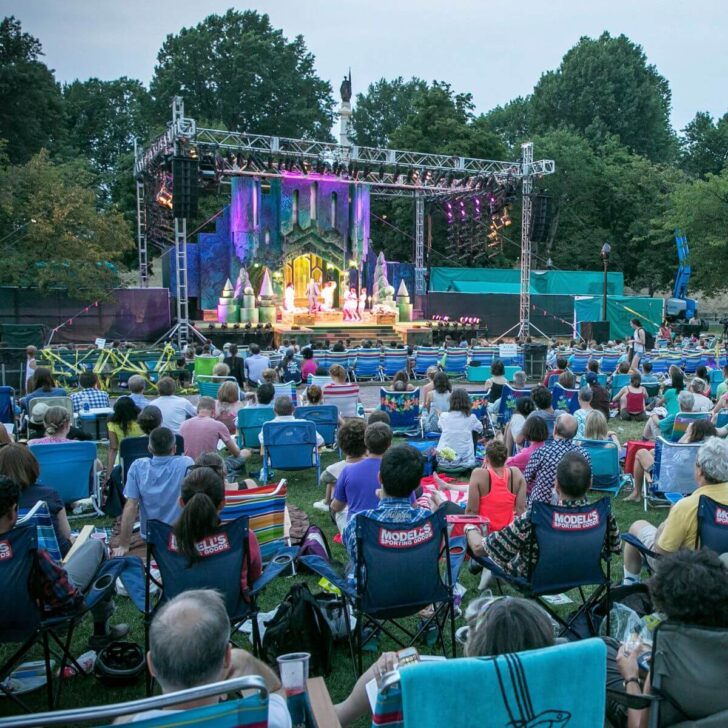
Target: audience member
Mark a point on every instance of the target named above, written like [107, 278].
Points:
[149, 419]
[596, 428]
[236, 365]
[535, 433]
[562, 364]
[283, 409]
[379, 416]
[600, 394]
[309, 365]
[701, 403]
[401, 382]
[657, 426]
[41, 384]
[137, 385]
[254, 364]
[585, 399]
[428, 386]
[494, 385]
[313, 394]
[542, 398]
[524, 407]
[457, 428]
[122, 424]
[30, 365]
[437, 401]
[269, 376]
[290, 369]
[520, 379]
[227, 405]
[264, 396]
[175, 410]
[220, 372]
[89, 395]
[567, 380]
[722, 387]
[672, 388]
[56, 424]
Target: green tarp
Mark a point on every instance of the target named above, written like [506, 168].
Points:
[508, 280]
[620, 310]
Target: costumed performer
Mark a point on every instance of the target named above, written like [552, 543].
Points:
[289, 299]
[313, 292]
[362, 302]
[351, 305]
[328, 296]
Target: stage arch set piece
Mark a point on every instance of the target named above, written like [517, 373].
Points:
[291, 252]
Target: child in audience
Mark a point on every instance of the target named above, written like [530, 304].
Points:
[456, 447]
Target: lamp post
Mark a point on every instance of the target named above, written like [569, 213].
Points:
[606, 250]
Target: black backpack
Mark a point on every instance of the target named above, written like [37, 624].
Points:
[299, 626]
[649, 340]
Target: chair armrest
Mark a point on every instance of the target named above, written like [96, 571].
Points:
[634, 541]
[281, 561]
[322, 707]
[636, 702]
[323, 568]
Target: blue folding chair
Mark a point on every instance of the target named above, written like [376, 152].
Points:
[403, 409]
[7, 406]
[693, 361]
[365, 365]
[484, 355]
[609, 361]
[508, 399]
[565, 399]
[320, 381]
[135, 448]
[426, 357]
[712, 525]
[722, 419]
[673, 473]
[250, 424]
[393, 361]
[208, 386]
[289, 446]
[397, 574]
[479, 404]
[682, 422]
[572, 553]
[716, 378]
[285, 389]
[69, 468]
[455, 362]
[325, 417]
[578, 361]
[604, 456]
[662, 364]
[619, 381]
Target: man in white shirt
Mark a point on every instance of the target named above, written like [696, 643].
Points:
[175, 410]
[701, 403]
[283, 409]
[255, 363]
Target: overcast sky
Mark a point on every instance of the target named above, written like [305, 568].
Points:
[496, 50]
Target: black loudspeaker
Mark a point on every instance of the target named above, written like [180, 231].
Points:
[596, 330]
[540, 219]
[184, 187]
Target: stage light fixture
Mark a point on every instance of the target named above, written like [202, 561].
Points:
[395, 175]
[281, 163]
[410, 174]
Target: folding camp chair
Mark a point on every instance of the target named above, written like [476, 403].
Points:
[319, 381]
[508, 399]
[673, 473]
[135, 448]
[712, 525]
[393, 361]
[325, 417]
[204, 365]
[609, 361]
[250, 424]
[521, 691]
[604, 456]
[40, 517]
[65, 402]
[722, 419]
[8, 407]
[69, 467]
[345, 397]
[426, 357]
[572, 549]
[619, 381]
[682, 422]
[403, 409]
[716, 378]
[662, 364]
[565, 399]
[290, 445]
[247, 712]
[484, 355]
[455, 362]
[397, 574]
[285, 389]
[207, 386]
[578, 361]
[365, 365]
[692, 362]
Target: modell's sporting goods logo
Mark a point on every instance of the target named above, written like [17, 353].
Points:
[6, 551]
[721, 516]
[404, 538]
[575, 521]
[208, 546]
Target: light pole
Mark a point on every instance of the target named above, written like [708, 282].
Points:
[606, 250]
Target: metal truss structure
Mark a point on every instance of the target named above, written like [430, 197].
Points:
[389, 172]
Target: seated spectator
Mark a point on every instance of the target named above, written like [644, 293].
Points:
[309, 365]
[5, 438]
[535, 434]
[511, 547]
[401, 382]
[457, 427]
[494, 385]
[153, 487]
[19, 464]
[89, 395]
[122, 424]
[647, 376]
[541, 469]
[657, 426]
[269, 376]
[41, 384]
[59, 588]
[701, 403]
[181, 374]
[567, 380]
[723, 386]
[56, 423]
[437, 401]
[136, 385]
[701, 372]
[236, 365]
[562, 364]
[220, 371]
[600, 394]
[357, 484]
[227, 405]
[542, 398]
[632, 400]
[254, 365]
[350, 440]
[290, 369]
[214, 460]
[596, 428]
[520, 380]
[428, 386]
[313, 395]
[175, 410]
[202, 497]
[585, 399]
[379, 416]
[524, 407]
[671, 390]
[203, 433]
[263, 396]
[283, 409]
[338, 382]
[149, 419]
[680, 529]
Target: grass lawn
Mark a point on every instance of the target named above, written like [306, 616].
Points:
[303, 491]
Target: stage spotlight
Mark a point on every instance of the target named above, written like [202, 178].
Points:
[223, 326]
[367, 170]
[281, 163]
[410, 174]
[395, 175]
[211, 326]
[289, 165]
[236, 326]
[247, 325]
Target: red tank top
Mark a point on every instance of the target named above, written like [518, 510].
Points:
[635, 402]
[499, 504]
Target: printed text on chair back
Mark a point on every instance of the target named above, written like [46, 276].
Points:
[712, 525]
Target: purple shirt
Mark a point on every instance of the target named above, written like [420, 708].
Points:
[357, 486]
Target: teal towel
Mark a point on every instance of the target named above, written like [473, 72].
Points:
[562, 685]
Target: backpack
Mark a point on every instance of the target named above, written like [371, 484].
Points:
[299, 626]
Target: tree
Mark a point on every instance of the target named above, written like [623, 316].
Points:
[237, 70]
[58, 236]
[511, 122]
[605, 87]
[384, 107]
[704, 145]
[31, 108]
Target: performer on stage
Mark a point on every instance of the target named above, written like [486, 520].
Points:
[313, 292]
[350, 305]
[289, 299]
[362, 302]
[328, 296]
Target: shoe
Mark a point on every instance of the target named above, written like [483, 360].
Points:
[321, 505]
[97, 642]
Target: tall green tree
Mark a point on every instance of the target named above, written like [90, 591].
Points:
[30, 100]
[704, 145]
[605, 87]
[237, 70]
[511, 122]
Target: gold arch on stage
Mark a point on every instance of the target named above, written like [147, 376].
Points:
[302, 268]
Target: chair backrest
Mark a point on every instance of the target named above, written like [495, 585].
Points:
[565, 399]
[68, 467]
[204, 365]
[604, 456]
[366, 363]
[571, 542]
[426, 357]
[40, 517]
[712, 525]
[325, 417]
[393, 360]
[285, 389]
[65, 402]
[135, 448]
[403, 408]
[455, 361]
[320, 381]
[652, 388]
[345, 399]
[579, 360]
[250, 424]
[508, 399]
[398, 565]
[208, 386]
[609, 361]
[484, 354]
[674, 468]
[20, 614]
[479, 403]
[219, 566]
[336, 357]
[619, 381]
[7, 404]
[689, 668]
[265, 508]
[722, 419]
[716, 378]
[682, 422]
[692, 362]
[290, 445]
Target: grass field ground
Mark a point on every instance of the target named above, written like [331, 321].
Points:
[303, 491]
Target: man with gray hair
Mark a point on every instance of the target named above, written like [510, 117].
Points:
[701, 403]
[136, 385]
[680, 528]
[283, 409]
[541, 469]
[662, 427]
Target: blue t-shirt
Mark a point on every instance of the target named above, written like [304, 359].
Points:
[357, 485]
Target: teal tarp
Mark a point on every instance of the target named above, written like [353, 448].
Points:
[620, 310]
[508, 280]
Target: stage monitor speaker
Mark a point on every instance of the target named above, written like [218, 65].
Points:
[184, 187]
[595, 330]
[540, 218]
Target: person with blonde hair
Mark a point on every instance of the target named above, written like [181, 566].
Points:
[596, 428]
[227, 405]
[57, 424]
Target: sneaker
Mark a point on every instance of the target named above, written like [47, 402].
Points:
[97, 642]
[321, 505]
